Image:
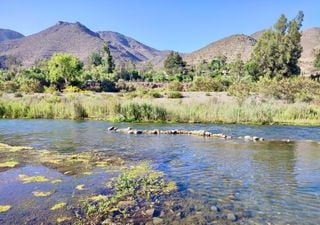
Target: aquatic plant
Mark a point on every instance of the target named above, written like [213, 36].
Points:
[26, 179]
[4, 208]
[41, 193]
[136, 186]
[9, 164]
[58, 206]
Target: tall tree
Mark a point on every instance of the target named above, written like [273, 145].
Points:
[108, 59]
[174, 64]
[278, 51]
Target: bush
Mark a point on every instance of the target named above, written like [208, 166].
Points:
[206, 84]
[240, 91]
[31, 86]
[289, 89]
[175, 94]
[9, 86]
[18, 95]
[175, 86]
[50, 90]
[155, 94]
[121, 85]
[72, 89]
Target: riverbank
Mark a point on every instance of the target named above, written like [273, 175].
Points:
[194, 107]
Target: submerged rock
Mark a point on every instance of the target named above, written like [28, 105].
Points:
[231, 217]
[110, 128]
[157, 220]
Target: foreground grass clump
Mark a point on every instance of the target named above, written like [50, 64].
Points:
[137, 186]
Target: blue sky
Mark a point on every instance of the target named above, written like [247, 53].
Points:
[181, 25]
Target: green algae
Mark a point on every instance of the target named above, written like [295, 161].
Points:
[63, 219]
[56, 181]
[5, 208]
[58, 206]
[80, 187]
[32, 179]
[9, 148]
[98, 198]
[41, 193]
[9, 164]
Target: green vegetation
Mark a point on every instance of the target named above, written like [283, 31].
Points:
[139, 185]
[268, 85]
[4, 208]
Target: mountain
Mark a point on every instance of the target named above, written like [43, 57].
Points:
[76, 39]
[257, 35]
[310, 42]
[6, 34]
[128, 48]
[229, 47]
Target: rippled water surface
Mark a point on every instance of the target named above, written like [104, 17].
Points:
[275, 181]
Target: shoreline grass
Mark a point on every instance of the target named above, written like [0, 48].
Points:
[198, 109]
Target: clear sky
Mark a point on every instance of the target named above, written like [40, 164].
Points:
[181, 25]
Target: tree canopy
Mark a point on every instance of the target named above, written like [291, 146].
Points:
[278, 51]
[63, 68]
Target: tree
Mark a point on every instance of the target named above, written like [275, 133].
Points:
[174, 64]
[63, 69]
[316, 62]
[277, 52]
[281, 25]
[95, 59]
[237, 70]
[108, 59]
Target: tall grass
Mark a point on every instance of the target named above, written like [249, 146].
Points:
[190, 110]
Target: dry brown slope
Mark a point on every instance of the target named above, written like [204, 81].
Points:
[229, 47]
[310, 42]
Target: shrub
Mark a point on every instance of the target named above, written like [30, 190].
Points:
[121, 85]
[289, 89]
[155, 94]
[9, 86]
[240, 91]
[175, 86]
[175, 94]
[206, 84]
[72, 89]
[18, 95]
[31, 86]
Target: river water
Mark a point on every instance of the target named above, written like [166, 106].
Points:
[276, 181]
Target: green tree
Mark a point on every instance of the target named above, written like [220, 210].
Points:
[108, 59]
[278, 51]
[63, 69]
[316, 62]
[281, 25]
[237, 70]
[174, 64]
[95, 59]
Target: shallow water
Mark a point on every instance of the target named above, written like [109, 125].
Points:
[275, 181]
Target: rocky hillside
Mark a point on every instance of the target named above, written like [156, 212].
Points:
[229, 47]
[76, 39]
[310, 42]
[6, 34]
